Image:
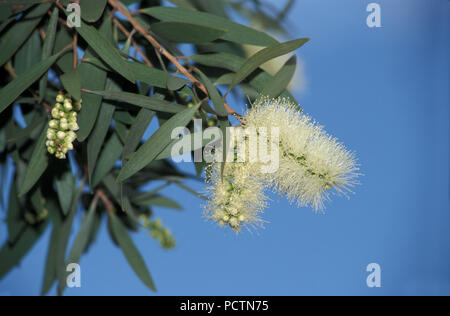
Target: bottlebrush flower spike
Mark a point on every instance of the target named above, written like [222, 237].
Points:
[236, 198]
[312, 163]
[61, 129]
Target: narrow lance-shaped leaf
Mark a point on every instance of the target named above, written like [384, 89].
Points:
[50, 262]
[10, 255]
[151, 103]
[281, 80]
[137, 130]
[92, 78]
[100, 130]
[72, 83]
[110, 154]
[28, 54]
[37, 164]
[155, 144]
[143, 73]
[10, 93]
[91, 11]
[130, 251]
[157, 200]
[187, 32]
[176, 83]
[18, 33]
[263, 56]
[65, 185]
[82, 238]
[235, 32]
[216, 99]
[47, 48]
[63, 239]
[104, 48]
[14, 221]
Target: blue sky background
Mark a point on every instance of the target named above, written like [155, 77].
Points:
[385, 93]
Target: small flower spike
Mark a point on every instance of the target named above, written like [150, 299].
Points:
[62, 127]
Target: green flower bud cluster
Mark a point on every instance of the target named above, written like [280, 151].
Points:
[61, 129]
[159, 232]
[33, 219]
[231, 215]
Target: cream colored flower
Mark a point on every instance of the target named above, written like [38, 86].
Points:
[236, 199]
[312, 163]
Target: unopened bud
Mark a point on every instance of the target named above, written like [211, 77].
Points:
[53, 124]
[61, 135]
[60, 98]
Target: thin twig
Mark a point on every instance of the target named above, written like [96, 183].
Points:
[118, 6]
[130, 35]
[75, 50]
[108, 204]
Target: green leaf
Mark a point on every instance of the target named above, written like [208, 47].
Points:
[215, 97]
[156, 200]
[176, 83]
[64, 38]
[123, 116]
[37, 164]
[188, 189]
[187, 32]
[10, 93]
[234, 32]
[37, 123]
[155, 144]
[28, 55]
[233, 63]
[137, 130]
[109, 156]
[18, 33]
[263, 56]
[91, 11]
[11, 255]
[91, 78]
[281, 80]
[72, 83]
[65, 185]
[14, 221]
[50, 262]
[130, 251]
[150, 103]
[143, 73]
[105, 49]
[47, 49]
[82, 238]
[63, 239]
[95, 141]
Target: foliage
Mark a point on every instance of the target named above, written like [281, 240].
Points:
[128, 70]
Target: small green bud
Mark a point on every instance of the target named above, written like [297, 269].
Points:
[55, 113]
[60, 98]
[67, 106]
[61, 135]
[74, 126]
[53, 124]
